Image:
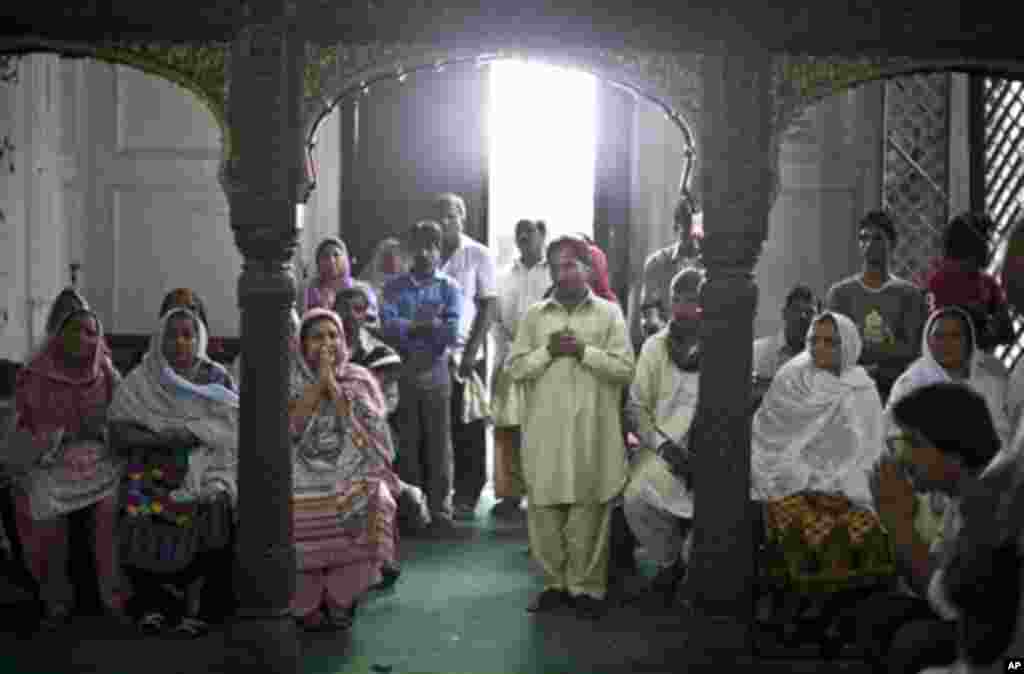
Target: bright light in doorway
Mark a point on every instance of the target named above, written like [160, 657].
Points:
[543, 136]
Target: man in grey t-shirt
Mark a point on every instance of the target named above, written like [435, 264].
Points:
[889, 311]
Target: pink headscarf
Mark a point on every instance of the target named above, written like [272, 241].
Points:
[355, 381]
[600, 284]
[49, 396]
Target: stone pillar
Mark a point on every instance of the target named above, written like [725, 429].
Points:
[264, 179]
[349, 111]
[736, 184]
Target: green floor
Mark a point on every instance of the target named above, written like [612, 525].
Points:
[458, 609]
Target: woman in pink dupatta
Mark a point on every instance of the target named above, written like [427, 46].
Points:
[343, 480]
[62, 397]
[333, 274]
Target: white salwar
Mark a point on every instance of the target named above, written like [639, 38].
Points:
[816, 431]
[662, 399]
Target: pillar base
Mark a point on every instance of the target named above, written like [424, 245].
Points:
[266, 643]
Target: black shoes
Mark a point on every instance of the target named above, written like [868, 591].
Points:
[550, 600]
[589, 608]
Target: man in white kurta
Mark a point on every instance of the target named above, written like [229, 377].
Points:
[573, 353]
[520, 286]
[662, 405]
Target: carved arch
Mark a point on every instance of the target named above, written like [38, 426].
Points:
[201, 70]
[669, 79]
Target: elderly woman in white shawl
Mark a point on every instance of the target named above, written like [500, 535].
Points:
[175, 418]
[949, 354]
[820, 427]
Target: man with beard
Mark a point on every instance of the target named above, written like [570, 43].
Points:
[663, 404]
[774, 351]
[572, 352]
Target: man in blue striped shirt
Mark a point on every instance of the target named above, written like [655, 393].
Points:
[420, 318]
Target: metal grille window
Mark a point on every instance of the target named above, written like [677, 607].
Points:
[1003, 168]
[917, 168]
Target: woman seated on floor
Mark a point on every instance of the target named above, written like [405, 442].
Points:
[175, 419]
[61, 400]
[814, 441]
[358, 310]
[344, 485]
[949, 353]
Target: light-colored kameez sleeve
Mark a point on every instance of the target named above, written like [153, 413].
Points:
[529, 356]
[614, 362]
[642, 402]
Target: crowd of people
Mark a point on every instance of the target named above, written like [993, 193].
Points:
[883, 407]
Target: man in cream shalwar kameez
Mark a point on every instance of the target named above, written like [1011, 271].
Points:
[573, 353]
[662, 404]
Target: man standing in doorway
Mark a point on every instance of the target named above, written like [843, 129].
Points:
[522, 285]
[474, 267]
[572, 350]
[662, 266]
[889, 311]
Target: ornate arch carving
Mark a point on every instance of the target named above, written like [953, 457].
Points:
[671, 79]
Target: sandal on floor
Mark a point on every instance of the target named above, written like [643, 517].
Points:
[314, 622]
[341, 619]
[152, 623]
[55, 616]
[191, 628]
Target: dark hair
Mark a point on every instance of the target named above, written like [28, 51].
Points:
[539, 224]
[799, 292]
[308, 325]
[966, 238]
[67, 301]
[195, 303]
[968, 316]
[577, 243]
[687, 279]
[953, 417]
[327, 243]
[882, 221]
[424, 229]
[75, 314]
[983, 581]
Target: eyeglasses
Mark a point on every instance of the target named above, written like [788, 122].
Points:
[902, 443]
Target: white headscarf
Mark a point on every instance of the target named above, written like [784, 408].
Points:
[926, 370]
[818, 431]
[156, 397]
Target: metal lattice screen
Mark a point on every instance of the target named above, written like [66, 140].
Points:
[1004, 177]
[917, 168]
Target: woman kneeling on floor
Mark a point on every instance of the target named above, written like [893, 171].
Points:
[344, 486]
[175, 419]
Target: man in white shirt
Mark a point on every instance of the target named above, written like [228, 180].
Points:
[474, 267]
[774, 351]
[521, 285]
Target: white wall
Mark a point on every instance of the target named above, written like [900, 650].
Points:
[34, 238]
[657, 166]
[321, 213]
[115, 170]
[153, 213]
[831, 174]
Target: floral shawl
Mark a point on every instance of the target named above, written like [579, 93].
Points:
[156, 397]
[347, 449]
[815, 431]
[50, 404]
[345, 460]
